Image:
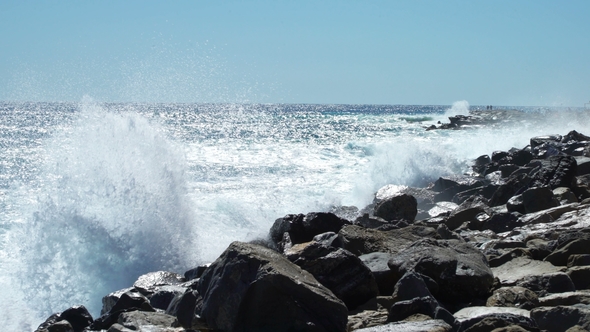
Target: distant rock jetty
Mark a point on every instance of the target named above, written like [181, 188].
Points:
[506, 248]
[480, 118]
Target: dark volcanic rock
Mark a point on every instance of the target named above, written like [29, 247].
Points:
[128, 301]
[399, 207]
[339, 270]
[580, 276]
[502, 222]
[495, 323]
[360, 240]
[515, 204]
[538, 198]
[109, 300]
[374, 222]
[78, 317]
[184, 307]
[149, 283]
[132, 300]
[448, 187]
[74, 319]
[141, 320]
[467, 212]
[540, 248]
[410, 285]
[561, 255]
[250, 287]
[561, 318]
[515, 185]
[195, 272]
[508, 256]
[61, 326]
[165, 294]
[556, 171]
[377, 263]
[419, 305]
[518, 297]
[48, 322]
[458, 268]
[431, 325]
[302, 228]
[558, 282]
[547, 145]
[578, 260]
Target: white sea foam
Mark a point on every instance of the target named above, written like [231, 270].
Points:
[111, 206]
[459, 108]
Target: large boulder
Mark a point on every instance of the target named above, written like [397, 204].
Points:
[447, 187]
[411, 285]
[475, 319]
[566, 298]
[460, 270]
[149, 283]
[555, 171]
[74, 319]
[538, 199]
[580, 276]
[521, 268]
[339, 270]
[108, 301]
[502, 222]
[561, 318]
[250, 287]
[161, 299]
[431, 325]
[184, 307]
[518, 297]
[561, 255]
[301, 228]
[547, 145]
[142, 320]
[360, 240]
[128, 301]
[467, 212]
[399, 207]
[377, 263]
[424, 197]
[542, 285]
[514, 185]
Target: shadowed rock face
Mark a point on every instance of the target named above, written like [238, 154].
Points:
[300, 228]
[339, 270]
[360, 240]
[251, 287]
[460, 270]
[399, 207]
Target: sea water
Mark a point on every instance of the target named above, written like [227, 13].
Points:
[93, 195]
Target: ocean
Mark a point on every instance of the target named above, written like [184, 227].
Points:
[93, 195]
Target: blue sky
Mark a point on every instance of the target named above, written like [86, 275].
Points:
[521, 53]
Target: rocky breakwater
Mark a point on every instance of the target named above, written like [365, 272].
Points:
[480, 118]
[504, 248]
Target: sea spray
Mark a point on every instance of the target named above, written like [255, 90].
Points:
[459, 108]
[112, 205]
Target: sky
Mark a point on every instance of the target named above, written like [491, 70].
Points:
[422, 52]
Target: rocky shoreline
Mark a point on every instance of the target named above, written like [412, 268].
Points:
[504, 248]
